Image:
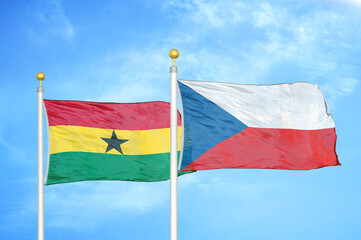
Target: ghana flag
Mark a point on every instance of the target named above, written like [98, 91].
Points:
[108, 141]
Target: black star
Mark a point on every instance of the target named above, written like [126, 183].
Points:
[114, 142]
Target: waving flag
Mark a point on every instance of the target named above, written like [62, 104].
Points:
[283, 126]
[108, 141]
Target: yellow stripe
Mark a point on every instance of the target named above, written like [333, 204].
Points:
[84, 139]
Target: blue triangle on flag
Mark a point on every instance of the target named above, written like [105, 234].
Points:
[205, 124]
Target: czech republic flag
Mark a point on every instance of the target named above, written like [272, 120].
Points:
[282, 126]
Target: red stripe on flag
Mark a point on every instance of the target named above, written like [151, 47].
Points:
[122, 116]
[272, 149]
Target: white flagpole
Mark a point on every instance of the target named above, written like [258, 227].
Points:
[173, 148]
[40, 76]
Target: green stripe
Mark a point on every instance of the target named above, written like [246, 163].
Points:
[81, 166]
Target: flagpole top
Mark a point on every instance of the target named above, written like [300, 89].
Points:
[40, 76]
[173, 54]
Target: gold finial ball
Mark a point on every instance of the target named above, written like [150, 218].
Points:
[40, 76]
[173, 53]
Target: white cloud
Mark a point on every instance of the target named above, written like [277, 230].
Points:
[214, 186]
[348, 85]
[124, 75]
[335, 88]
[136, 75]
[353, 2]
[222, 68]
[210, 13]
[83, 205]
[267, 16]
[313, 43]
[52, 22]
[13, 151]
[305, 40]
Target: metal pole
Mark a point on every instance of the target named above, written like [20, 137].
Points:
[40, 90]
[173, 148]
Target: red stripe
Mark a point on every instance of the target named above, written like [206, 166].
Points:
[272, 148]
[122, 116]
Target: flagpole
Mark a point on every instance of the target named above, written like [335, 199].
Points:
[173, 148]
[40, 76]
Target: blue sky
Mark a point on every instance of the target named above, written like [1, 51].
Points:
[118, 51]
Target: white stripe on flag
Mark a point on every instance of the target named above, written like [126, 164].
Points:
[299, 105]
